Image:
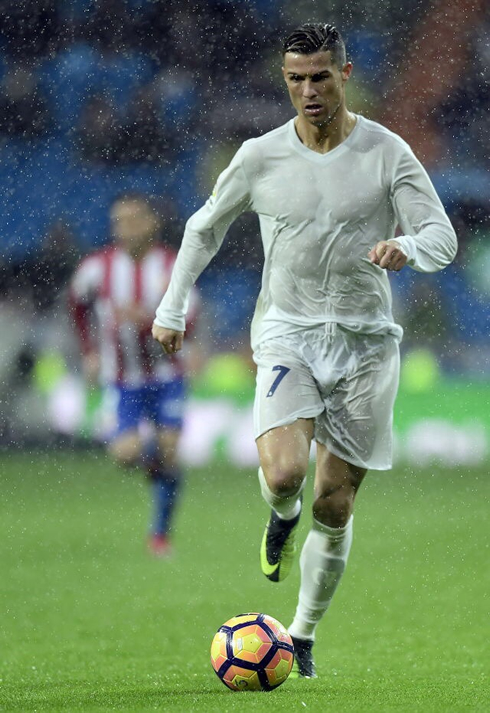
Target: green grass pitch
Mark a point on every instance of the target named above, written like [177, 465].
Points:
[90, 622]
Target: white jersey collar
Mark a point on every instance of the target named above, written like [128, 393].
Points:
[324, 158]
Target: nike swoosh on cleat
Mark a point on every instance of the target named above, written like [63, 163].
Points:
[269, 569]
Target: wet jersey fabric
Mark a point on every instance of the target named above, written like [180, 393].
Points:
[319, 214]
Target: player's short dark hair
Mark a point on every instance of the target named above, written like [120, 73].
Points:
[316, 37]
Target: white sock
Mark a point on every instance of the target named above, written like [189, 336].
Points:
[286, 507]
[322, 562]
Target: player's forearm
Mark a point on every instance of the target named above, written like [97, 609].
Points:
[428, 237]
[195, 254]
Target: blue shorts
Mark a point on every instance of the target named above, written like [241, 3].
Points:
[161, 403]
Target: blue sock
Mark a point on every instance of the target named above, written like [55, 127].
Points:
[166, 491]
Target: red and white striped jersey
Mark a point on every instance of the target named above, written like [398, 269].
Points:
[113, 300]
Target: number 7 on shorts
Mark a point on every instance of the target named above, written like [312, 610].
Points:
[283, 370]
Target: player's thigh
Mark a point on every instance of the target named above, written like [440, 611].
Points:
[127, 404]
[125, 442]
[165, 408]
[284, 453]
[165, 404]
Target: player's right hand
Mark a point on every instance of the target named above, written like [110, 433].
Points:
[388, 255]
[170, 339]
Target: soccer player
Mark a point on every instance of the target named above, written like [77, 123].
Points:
[114, 293]
[330, 188]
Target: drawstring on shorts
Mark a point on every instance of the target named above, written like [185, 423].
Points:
[330, 330]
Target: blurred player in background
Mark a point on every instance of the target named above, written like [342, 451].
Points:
[330, 188]
[113, 295]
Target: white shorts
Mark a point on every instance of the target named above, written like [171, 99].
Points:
[347, 382]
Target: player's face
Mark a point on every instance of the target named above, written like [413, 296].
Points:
[133, 224]
[316, 85]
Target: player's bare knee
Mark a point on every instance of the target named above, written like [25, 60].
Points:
[123, 460]
[284, 479]
[122, 456]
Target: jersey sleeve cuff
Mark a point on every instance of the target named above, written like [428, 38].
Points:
[406, 243]
[170, 321]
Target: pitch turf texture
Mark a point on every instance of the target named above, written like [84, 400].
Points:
[90, 622]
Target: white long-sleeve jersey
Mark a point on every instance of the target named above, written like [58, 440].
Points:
[319, 214]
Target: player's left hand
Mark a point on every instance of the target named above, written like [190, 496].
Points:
[388, 255]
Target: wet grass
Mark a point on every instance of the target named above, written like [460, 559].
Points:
[90, 622]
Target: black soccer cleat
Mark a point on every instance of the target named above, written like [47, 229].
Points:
[304, 665]
[278, 547]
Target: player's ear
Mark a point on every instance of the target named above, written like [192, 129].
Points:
[347, 71]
